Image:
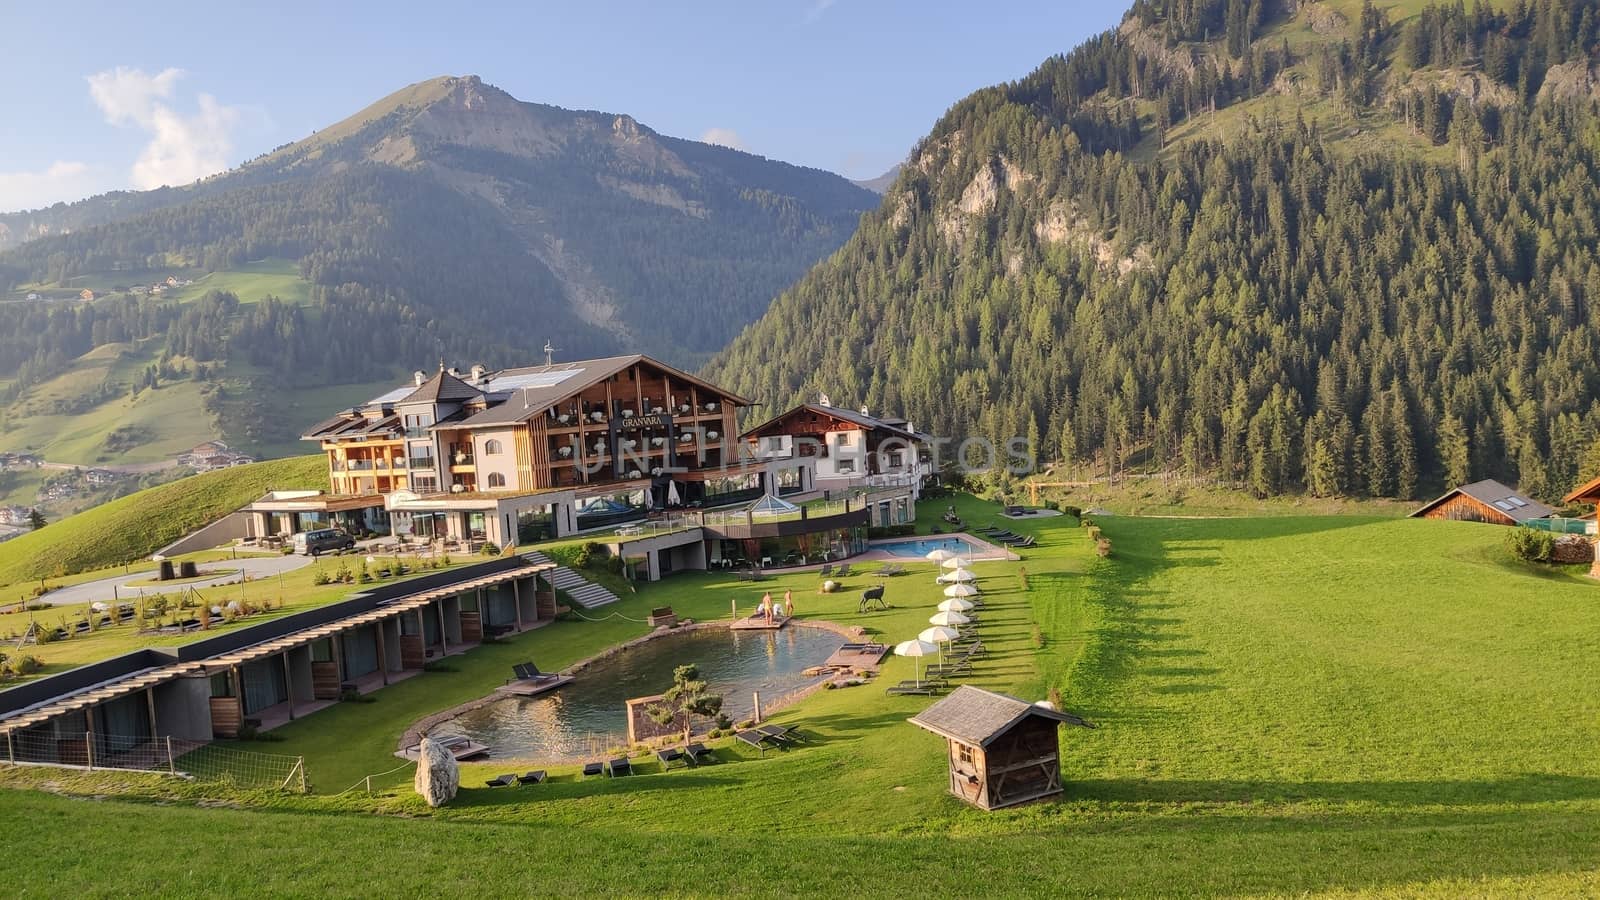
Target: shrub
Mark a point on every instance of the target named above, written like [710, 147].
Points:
[489, 549]
[26, 664]
[1103, 547]
[1038, 637]
[362, 575]
[1531, 545]
[1073, 511]
[321, 577]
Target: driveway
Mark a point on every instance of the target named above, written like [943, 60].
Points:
[225, 570]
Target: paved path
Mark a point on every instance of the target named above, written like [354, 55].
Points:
[225, 569]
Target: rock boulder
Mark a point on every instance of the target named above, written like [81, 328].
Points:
[438, 776]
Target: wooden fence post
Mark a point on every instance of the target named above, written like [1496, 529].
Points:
[302, 766]
[11, 750]
[172, 762]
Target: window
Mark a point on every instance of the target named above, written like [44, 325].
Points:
[491, 447]
[845, 466]
[964, 754]
[496, 480]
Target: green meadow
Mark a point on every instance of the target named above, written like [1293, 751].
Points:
[1287, 705]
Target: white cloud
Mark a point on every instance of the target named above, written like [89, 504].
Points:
[182, 148]
[62, 180]
[817, 9]
[726, 137]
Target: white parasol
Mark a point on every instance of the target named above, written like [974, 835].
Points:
[915, 649]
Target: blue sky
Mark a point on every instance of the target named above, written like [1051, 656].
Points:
[102, 96]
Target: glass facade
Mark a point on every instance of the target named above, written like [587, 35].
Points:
[795, 550]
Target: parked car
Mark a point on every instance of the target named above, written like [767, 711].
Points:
[316, 543]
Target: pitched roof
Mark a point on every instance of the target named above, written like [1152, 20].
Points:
[977, 717]
[529, 391]
[1588, 492]
[1506, 501]
[442, 386]
[854, 417]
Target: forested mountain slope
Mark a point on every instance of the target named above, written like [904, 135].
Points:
[1352, 249]
[452, 216]
[449, 219]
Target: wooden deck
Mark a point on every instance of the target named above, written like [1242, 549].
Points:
[459, 747]
[758, 623]
[533, 687]
[845, 658]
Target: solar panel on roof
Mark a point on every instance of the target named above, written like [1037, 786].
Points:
[397, 394]
[1518, 501]
[532, 380]
[1504, 505]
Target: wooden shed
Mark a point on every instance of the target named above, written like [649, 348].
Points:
[1484, 501]
[1003, 751]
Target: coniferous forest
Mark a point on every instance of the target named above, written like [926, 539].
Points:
[1073, 258]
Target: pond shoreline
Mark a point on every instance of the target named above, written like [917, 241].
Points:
[414, 734]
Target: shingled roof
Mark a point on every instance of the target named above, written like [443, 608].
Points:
[977, 717]
[442, 386]
[1507, 501]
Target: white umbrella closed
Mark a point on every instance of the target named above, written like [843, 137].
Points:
[955, 604]
[673, 499]
[948, 618]
[915, 649]
[956, 562]
[959, 576]
[961, 590]
[939, 555]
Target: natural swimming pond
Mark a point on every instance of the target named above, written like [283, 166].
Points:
[588, 715]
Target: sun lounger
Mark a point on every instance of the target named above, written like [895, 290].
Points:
[827, 569]
[957, 662]
[531, 777]
[1005, 537]
[501, 780]
[670, 756]
[529, 672]
[593, 768]
[843, 571]
[928, 688]
[619, 767]
[1023, 544]
[755, 739]
[884, 571]
[698, 753]
[783, 733]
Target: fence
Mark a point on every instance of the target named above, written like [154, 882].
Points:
[1560, 525]
[196, 761]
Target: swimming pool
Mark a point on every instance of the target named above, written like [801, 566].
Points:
[920, 547]
[589, 715]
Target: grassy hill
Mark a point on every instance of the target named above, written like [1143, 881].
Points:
[137, 525]
[1274, 698]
